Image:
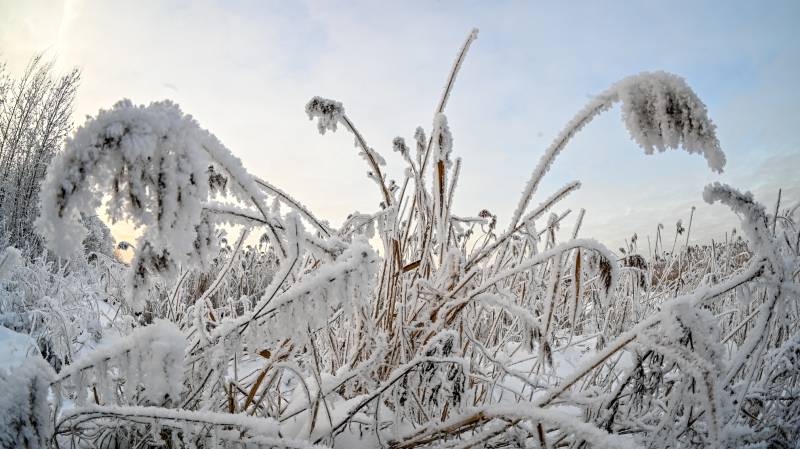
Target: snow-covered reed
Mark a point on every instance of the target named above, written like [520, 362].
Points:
[451, 333]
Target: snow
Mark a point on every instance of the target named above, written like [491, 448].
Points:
[150, 159]
[9, 261]
[454, 335]
[327, 112]
[442, 139]
[660, 111]
[16, 348]
[150, 360]
[24, 385]
[343, 284]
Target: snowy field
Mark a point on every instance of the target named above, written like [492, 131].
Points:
[241, 319]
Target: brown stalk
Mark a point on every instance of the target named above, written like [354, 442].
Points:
[231, 399]
[411, 266]
[577, 279]
[252, 393]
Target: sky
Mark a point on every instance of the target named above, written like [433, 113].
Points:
[245, 70]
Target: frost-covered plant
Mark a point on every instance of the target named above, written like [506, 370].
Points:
[661, 111]
[161, 171]
[457, 335]
[25, 418]
[153, 164]
[9, 261]
[66, 306]
[35, 118]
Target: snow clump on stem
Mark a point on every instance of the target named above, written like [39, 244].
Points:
[329, 113]
[661, 111]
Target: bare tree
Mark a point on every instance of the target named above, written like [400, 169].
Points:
[35, 117]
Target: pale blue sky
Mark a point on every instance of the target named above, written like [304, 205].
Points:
[245, 70]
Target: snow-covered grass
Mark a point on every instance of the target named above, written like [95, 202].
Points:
[451, 333]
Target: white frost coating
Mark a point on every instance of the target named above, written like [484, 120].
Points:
[153, 161]
[755, 225]
[661, 111]
[530, 411]
[435, 344]
[328, 112]
[399, 145]
[419, 138]
[9, 260]
[540, 258]
[239, 429]
[442, 146]
[702, 361]
[15, 348]
[442, 139]
[531, 323]
[584, 116]
[159, 168]
[473, 34]
[24, 411]
[251, 425]
[753, 214]
[150, 357]
[346, 282]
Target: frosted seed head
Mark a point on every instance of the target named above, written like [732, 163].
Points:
[661, 111]
[329, 113]
[399, 145]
